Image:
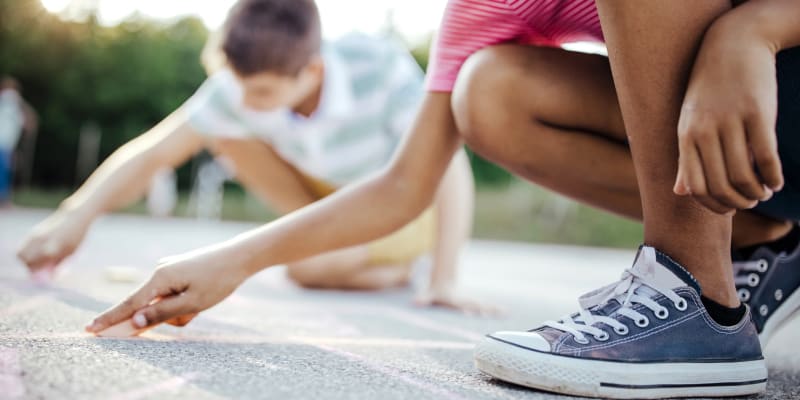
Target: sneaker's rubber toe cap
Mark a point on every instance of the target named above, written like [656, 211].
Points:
[530, 340]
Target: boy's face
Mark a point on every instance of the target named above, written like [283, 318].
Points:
[267, 91]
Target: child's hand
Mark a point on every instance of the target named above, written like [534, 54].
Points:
[450, 298]
[53, 240]
[181, 287]
[728, 148]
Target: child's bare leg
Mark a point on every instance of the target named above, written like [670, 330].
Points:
[651, 51]
[265, 174]
[552, 117]
[347, 269]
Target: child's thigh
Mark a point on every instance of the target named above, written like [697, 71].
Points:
[786, 204]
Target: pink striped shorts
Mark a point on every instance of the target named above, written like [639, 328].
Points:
[470, 25]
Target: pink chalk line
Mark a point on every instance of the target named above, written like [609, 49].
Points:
[11, 384]
[23, 306]
[256, 339]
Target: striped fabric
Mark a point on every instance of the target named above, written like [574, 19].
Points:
[370, 96]
[470, 25]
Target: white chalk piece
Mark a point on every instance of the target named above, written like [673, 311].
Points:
[121, 330]
[122, 274]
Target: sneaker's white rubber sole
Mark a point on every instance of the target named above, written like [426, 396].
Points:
[618, 380]
[782, 315]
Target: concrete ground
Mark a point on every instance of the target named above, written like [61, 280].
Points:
[274, 340]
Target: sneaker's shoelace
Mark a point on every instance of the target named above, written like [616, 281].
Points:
[746, 276]
[633, 288]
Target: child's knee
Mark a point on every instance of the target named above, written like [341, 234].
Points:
[484, 94]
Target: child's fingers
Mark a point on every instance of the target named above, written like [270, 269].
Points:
[694, 178]
[740, 168]
[717, 176]
[124, 310]
[763, 143]
[182, 320]
[167, 309]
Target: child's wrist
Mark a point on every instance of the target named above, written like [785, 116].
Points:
[747, 25]
[77, 210]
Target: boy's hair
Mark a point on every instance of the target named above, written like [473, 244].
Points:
[280, 36]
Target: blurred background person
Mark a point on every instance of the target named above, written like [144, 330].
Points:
[16, 118]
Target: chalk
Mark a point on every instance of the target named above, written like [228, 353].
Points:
[123, 329]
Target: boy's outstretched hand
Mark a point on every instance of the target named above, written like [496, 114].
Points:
[728, 146]
[54, 239]
[181, 287]
[451, 299]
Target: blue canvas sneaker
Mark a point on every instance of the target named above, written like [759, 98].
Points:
[646, 336]
[768, 282]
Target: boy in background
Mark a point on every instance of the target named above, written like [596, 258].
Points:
[16, 118]
[297, 119]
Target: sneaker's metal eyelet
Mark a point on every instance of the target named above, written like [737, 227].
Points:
[662, 313]
[642, 322]
[681, 305]
[763, 265]
[744, 295]
[763, 310]
[779, 295]
[581, 340]
[622, 331]
[602, 337]
[753, 280]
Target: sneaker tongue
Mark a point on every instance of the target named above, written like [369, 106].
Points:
[662, 270]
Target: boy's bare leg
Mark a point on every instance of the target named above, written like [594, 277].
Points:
[552, 116]
[263, 172]
[347, 269]
[651, 50]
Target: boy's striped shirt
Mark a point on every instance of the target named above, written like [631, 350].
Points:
[370, 96]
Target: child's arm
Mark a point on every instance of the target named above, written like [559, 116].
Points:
[730, 107]
[357, 214]
[120, 180]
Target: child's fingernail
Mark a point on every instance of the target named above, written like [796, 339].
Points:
[92, 326]
[139, 320]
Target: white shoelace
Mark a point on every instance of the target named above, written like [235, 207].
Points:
[633, 288]
[743, 271]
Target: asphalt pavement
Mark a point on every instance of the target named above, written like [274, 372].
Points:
[273, 340]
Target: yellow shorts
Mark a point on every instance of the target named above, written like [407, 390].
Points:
[401, 247]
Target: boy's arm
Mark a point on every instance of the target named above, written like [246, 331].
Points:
[730, 108]
[454, 213]
[120, 180]
[359, 213]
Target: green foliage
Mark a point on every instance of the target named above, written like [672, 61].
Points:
[124, 78]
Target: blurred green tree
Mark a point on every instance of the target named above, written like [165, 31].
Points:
[123, 79]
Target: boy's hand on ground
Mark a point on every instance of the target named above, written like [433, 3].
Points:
[728, 148]
[181, 287]
[450, 298]
[53, 240]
